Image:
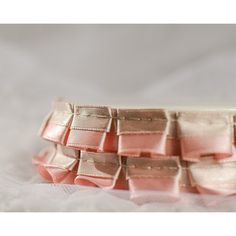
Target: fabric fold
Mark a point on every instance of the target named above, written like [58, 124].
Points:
[145, 132]
[81, 127]
[186, 185]
[204, 134]
[56, 127]
[98, 169]
[54, 166]
[148, 178]
[93, 129]
[153, 153]
[212, 177]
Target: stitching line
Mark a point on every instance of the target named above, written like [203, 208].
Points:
[214, 166]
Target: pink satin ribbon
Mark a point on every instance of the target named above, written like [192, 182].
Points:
[97, 144]
[55, 167]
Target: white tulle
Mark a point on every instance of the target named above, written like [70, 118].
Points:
[42, 66]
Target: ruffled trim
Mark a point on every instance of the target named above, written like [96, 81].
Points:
[148, 151]
[142, 132]
[54, 166]
[58, 164]
[146, 178]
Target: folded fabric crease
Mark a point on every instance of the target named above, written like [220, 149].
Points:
[143, 150]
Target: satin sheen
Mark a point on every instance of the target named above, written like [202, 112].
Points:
[148, 151]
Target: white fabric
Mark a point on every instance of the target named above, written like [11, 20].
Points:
[148, 65]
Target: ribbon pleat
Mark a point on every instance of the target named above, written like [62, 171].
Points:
[146, 176]
[55, 167]
[135, 126]
[205, 134]
[101, 169]
[147, 151]
[57, 126]
[212, 177]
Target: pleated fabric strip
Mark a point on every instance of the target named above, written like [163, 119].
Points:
[55, 165]
[147, 151]
[146, 132]
[144, 177]
[205, 134]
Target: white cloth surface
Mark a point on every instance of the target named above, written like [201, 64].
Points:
[152, 65]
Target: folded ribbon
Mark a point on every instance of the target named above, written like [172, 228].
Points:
[55, 165]
[147, 151]
[100, 169]
[204, 134]
[145, 176]
[56, 127]
[212, 177]
[153, 126]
